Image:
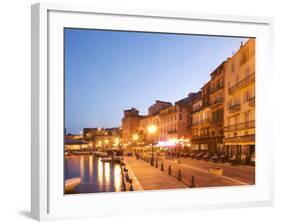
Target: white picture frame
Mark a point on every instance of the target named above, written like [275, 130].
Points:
[48, 201]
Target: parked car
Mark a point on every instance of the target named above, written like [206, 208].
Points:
[215, 158]
[233, 160]
[223, 157]
[207, 156]
[192, 155]
[199, 155]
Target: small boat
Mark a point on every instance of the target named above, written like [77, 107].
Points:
[70, 184]
[118, 159]
[106, 159]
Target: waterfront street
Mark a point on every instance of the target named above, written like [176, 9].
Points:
[241, 173]
[199, 170]
[151, 178]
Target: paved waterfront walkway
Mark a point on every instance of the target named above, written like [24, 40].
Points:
[202, 176]
[245, 174]
[151, 178]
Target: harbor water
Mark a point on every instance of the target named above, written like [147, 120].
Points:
[96, 176]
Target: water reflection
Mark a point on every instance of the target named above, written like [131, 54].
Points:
[96, 176]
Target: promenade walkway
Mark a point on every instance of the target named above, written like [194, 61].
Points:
[151, 178]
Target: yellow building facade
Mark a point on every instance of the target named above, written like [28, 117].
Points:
[239, 106]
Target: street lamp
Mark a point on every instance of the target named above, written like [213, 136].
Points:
[135, 137]
[152, 130]
[117, 142]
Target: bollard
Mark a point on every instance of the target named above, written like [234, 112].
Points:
[127, 177]
[156, 164]
[131, 187]
[192, 184]
[170, 170]
[162, 167]
[179, 176]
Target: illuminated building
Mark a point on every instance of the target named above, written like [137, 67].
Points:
[239, 107]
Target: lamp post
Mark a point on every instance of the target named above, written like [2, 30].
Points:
[152, 130]
[135, 139]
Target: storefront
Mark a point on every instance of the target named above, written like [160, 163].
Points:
[242, 148]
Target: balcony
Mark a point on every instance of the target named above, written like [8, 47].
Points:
[216, 88]
[234, 108]
[240, 126]
[203, 136]
[202, 122]
[172, 131]
[217, 101]
[197, 109]
[252, 101]
[244, 82]
[195, 124]
[205, 121]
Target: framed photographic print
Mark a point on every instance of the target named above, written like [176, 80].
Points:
[148, 111]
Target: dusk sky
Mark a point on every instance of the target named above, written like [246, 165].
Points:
[107, 72]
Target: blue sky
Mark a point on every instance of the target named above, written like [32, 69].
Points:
[107, 72]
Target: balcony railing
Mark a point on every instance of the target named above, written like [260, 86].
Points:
[244, 82]
[172, 131]
[240, 126]
[216, 101]
[216, 88]
[205, 121]
[252, 102]
[206, 136]
[234, 108]
[197, 109]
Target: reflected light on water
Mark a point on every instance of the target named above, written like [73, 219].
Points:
[96, 176]
[100, 171]
[107, 173]
[117, 177]
[91, 168]
[82, 165]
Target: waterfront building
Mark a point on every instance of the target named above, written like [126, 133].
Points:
[77, 145]
[201, 120]
[217, 108]
[130, 124]
[159, 105]
[175, 121]
[145, 122]
[102, 137]
[239, 107]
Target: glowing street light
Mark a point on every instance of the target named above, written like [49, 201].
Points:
[152, 129]
[135, 137]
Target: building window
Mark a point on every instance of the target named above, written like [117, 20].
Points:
[180, 117]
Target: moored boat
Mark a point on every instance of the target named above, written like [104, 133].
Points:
[107, 159]
[70, 184]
